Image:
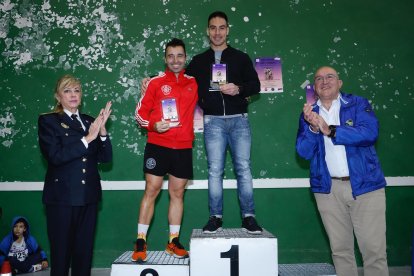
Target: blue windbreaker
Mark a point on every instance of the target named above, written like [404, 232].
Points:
[358, 132]
[8, 240]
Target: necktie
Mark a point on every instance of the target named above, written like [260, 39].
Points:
[76, 122]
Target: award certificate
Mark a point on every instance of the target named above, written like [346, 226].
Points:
[269, 71]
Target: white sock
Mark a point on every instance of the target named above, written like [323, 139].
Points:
[142, 231]
[174, 231]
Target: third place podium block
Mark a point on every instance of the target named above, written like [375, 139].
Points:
[158, 263]
[233, 252]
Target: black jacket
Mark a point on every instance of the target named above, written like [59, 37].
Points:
[240, 71]
[72, 176]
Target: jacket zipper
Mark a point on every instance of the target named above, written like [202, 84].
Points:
[224, 104]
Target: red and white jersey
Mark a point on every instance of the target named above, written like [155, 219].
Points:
[181, 91]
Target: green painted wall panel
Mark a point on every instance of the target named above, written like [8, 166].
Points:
[290, 214]
[112, 45]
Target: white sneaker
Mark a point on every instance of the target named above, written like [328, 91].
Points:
[37, 267]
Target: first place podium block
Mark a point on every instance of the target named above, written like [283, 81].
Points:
[158, 263]
[233, 252]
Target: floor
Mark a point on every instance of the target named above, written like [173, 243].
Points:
[394, 271]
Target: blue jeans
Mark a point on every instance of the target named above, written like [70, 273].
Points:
[220, 132]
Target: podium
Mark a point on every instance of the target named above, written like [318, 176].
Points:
[233, 252]
[158, 263]
[230, 252]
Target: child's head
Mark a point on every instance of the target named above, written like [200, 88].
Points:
[19, 227]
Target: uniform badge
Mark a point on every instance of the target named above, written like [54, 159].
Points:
[166, 89]
[64, 125]
[349, 122]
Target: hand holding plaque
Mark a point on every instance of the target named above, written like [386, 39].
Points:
[170, 112]
[218, 76]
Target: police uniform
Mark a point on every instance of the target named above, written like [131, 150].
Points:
[72, 189]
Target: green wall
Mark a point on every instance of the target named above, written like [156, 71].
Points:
[112, 45]
[290, 214]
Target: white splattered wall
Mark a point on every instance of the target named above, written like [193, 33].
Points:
[112, 45]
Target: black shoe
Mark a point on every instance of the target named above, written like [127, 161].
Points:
[250, 225]
[213, 225]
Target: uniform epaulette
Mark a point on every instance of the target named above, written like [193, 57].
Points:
[51, 112]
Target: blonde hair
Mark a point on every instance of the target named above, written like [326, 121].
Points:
[64, 81]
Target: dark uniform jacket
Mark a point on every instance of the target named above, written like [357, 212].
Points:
[72, 176]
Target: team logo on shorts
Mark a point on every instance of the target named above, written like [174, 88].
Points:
[151, 163]
[166, 89]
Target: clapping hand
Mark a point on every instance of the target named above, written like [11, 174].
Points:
[98, 126]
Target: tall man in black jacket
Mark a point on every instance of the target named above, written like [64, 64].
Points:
[226, 78]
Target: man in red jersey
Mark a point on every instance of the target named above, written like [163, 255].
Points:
[166, 110]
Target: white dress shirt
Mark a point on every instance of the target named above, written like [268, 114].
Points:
[79, 119]
[335, 155]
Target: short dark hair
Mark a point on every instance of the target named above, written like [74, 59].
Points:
[21, 220]
[174, 43]
[217, 14]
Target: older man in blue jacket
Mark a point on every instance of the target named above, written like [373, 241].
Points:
[337, 134]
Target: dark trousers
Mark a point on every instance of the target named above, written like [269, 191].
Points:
[26, 265]
[71, 231]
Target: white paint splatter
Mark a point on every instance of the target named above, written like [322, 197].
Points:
[105, 17]
[7, 143]
[23, 59]
[6, 6]
[246, 19]
[233, 8]
[7, 122]
[22, 22]
[336, 39]
[304, 84]
[4, 29]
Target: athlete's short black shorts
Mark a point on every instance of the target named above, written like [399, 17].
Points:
[160, 160]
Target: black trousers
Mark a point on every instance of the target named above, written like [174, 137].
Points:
[26, 265]
[71, 232]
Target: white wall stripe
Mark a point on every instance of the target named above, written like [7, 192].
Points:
[264, 183]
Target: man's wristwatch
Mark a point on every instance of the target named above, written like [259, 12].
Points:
[332, 134]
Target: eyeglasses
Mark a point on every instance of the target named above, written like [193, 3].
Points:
[327, 78]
